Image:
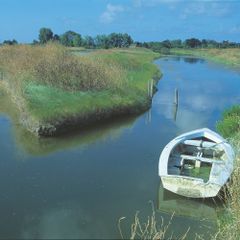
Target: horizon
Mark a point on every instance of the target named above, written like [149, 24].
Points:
[152, 20]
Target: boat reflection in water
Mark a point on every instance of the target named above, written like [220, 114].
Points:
[202, 209]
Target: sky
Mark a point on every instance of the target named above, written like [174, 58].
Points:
[144, 20]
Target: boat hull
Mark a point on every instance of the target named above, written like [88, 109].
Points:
[195, 187]
[192, 188]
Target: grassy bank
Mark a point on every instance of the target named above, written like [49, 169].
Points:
[229, 127]
[229, 56]
[55, 89]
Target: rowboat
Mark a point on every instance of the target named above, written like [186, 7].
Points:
[196, 164]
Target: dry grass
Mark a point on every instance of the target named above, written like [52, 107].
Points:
[149, 229]
[229, 225]
[54, 65]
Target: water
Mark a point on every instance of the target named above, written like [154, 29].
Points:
[79, 185]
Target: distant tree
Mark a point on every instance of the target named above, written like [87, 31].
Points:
[56, 38]
[35, 42]
[10, 42]
[77, 40]
[166, 44]
[102, 41]
[176, 43]
[88, 42]
[71, 39]
[45, 35]
[193, 42]
[204, 43]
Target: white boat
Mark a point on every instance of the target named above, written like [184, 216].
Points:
[196, 164]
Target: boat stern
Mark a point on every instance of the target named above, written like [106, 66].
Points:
[190, 187]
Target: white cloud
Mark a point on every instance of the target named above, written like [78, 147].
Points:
[207, 8]
[110, 13]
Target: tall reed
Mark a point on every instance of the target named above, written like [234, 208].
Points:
[54, 65]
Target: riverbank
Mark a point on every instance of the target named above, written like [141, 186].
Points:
[56, 90]
[229, 127]
[229, 56]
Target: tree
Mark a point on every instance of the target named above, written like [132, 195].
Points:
[71, 39]
[193, 42]
[176, 43]
[10, 42]
[45, 34]
[88, 42]
[77, 40]
[102, 41]
[166, 44]
[56, 38]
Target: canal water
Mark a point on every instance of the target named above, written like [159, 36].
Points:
[81, 184]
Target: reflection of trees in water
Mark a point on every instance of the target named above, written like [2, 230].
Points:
[193, 60]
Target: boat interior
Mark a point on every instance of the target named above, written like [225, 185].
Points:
[194, 158]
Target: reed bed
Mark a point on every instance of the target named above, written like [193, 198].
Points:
[53, 85]
[54, 65]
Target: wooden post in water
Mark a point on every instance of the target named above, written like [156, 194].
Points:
[150, 88]
[176, 96]
[1, 76]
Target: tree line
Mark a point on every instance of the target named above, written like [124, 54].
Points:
[74, 39]
[118, 40]
[166, 45]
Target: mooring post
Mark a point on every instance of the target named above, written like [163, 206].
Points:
[176, 96]
[151, 88]
[1, 75]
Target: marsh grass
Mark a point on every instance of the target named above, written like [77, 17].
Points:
[229, 56]
[229, 224]
[51, 82]
[54, 65]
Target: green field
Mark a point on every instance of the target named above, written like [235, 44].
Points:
[51, 85]
[229, 56]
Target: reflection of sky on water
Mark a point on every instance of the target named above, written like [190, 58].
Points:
[81, 184]
[205, 90]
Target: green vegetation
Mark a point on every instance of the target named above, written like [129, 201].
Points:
[228, 56]
[192, 43]
[230, 123]
[74, 39]
[53, 86]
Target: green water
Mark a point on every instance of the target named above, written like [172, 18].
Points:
[80, 184]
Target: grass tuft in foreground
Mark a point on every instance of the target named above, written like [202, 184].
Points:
[149, 229]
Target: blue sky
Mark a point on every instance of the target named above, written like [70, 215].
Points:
[144, 20]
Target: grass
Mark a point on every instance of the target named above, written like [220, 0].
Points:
[229, 56]
[51, 83]
[149, 229]
[229, 126]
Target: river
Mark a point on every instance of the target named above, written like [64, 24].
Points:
[79, 185]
